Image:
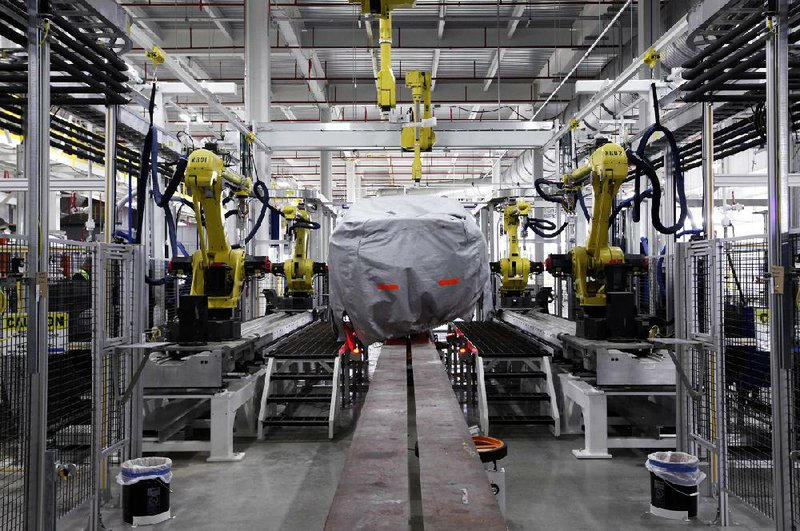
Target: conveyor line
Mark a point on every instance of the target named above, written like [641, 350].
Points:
[317, 341]
[548, 329]
[497, 340]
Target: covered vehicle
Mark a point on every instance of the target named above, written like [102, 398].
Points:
[404, 265]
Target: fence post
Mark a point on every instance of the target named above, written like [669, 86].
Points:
[777, 192]
[98, 346]
[37, 169]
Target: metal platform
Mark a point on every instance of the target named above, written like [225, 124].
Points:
[307, 380]
[205, 366]
[498, 340]
[375, 491]
[315, 341]
[547, 328]
[195, 382]
[508, 376]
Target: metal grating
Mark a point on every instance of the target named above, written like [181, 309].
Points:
[164, 294]
[703, 409]
[748, 394]
[74, 314]
[14, 397]
[494, 339]
[316, 340]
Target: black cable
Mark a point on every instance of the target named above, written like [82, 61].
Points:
[303, 224]
[539, 226]
[582, 203]
[622, 205]
[643, 165]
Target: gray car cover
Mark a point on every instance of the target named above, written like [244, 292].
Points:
[403, 265]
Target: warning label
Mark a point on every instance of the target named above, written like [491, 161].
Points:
[17, 321]
[15, 325]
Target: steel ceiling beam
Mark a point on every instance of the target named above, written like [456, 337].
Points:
[292, 39]
[675, 32]
[182, 73]
[216, 15]
[384, 135]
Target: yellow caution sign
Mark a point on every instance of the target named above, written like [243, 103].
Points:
[19, 321]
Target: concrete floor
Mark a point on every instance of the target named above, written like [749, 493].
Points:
[287, 484]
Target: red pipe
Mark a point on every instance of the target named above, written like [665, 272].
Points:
[503, 3]
[236, 47]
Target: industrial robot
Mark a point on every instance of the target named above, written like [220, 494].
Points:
[515, 269]
[603, 273]
[211, 310]
[299, 270]
[385, 83]
[420, 137]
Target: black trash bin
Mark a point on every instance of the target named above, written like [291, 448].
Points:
[674, 477]
[145, 490]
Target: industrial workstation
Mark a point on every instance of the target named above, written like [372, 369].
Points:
[399, 264]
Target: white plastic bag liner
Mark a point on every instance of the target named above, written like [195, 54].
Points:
[136, 470]
[677, 468]
[403, 265]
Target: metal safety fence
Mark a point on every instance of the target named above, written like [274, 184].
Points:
[723, 293]
[792, 249]
[744, 336]
[700, 406]
[88, 423]
[14, 386]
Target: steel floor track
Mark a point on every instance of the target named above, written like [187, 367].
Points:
[498, 340]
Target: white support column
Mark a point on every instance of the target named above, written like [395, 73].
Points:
[54, 224]
[157, 218]
[325, 159]
[538, 164]
[258, 84]
[649, 30]
[708, 169]
[353, 181]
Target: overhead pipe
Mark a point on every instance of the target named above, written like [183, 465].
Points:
[81, 61]
[108, 90]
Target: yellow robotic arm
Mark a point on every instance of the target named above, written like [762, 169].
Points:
[418, 139]
[387, 90]
[599, 268]
[299, 270]
[515, 269]
[217, 268]
[608, 168]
